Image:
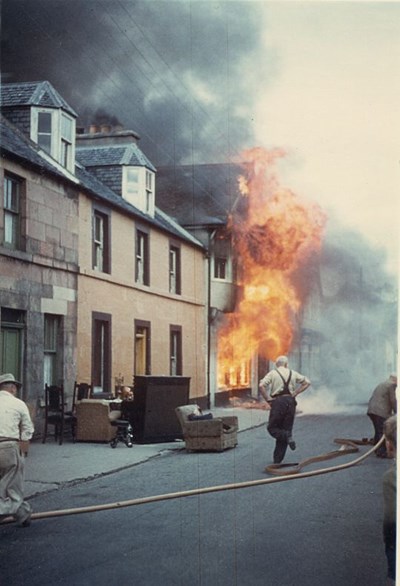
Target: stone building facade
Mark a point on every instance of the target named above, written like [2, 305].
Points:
[38, 267]
[96, 283]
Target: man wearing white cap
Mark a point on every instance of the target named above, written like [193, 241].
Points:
[279, 387]
[15, 426]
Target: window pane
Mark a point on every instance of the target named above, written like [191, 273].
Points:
[10, 228]
[44, 141]
[11, 194]
[44, 131]
[98, 228]
[142, 260]
[141, 348]
[50, 333]
[44, 122]
[101, 354]
[132, 175]
[65, 150]
[175, 351]
[220, 268]
[174, 270]
[66, 128]
[100, 242]
[11, 211]
[52, 349]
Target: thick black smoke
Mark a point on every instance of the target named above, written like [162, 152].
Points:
[178, 73]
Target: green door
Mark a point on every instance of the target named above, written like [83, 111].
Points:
[11, 351]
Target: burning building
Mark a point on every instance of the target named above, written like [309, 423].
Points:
[275, 235]
[261, 238]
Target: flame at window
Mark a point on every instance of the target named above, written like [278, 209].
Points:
[275, 232]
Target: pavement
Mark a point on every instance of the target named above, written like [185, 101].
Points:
[49, 466]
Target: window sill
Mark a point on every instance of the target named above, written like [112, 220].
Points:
[16, 253]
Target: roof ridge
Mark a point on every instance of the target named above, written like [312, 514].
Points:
[38, 91]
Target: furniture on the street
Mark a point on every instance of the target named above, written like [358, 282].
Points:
[122, 423]
[155, 400]
[93, 421]
[81, 391]
[55, 414]
[214, 435]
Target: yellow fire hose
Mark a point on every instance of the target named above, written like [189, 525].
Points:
[293, 474]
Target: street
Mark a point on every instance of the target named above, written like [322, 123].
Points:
[323, 531]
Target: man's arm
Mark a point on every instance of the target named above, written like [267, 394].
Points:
[263, 386]
[26, 425]
[303, 386]
[263, 391]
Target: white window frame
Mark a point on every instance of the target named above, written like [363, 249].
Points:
[62, 148]
[101, 241]
[174, 262]
[12, 213]
[142, 260]
[98, 241]
[52, 349]
[139, 193]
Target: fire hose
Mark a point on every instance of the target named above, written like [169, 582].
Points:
[276, 469]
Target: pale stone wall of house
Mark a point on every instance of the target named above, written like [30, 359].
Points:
[118, 295]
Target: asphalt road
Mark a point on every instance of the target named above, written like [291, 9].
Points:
[323, 531]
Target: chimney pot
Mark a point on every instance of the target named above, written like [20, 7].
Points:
[93, 129]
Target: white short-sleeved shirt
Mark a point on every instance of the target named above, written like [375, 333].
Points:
[274, 383]
[15, 420]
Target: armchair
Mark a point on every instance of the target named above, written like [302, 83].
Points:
[214, 435]
[93, 421]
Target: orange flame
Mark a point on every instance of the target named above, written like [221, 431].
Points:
[276, 235]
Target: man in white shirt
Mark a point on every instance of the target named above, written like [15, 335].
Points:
[15, 426]
[279, 387]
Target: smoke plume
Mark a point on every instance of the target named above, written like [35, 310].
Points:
[175, 72]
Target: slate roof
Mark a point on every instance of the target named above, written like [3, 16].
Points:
[104, 193]
[113, 155]
[15, 143]
[32, 93]
[19, 146]
[198, 195]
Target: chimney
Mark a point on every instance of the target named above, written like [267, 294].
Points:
[106, 135]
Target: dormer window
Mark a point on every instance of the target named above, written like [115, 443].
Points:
[138, 188]
[54, 131]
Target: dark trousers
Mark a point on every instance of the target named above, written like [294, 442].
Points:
[378, 422]
[280, 424]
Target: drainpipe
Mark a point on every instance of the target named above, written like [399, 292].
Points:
[209, 318]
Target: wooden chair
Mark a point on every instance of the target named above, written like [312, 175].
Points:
[81, 391]
[55, 413]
